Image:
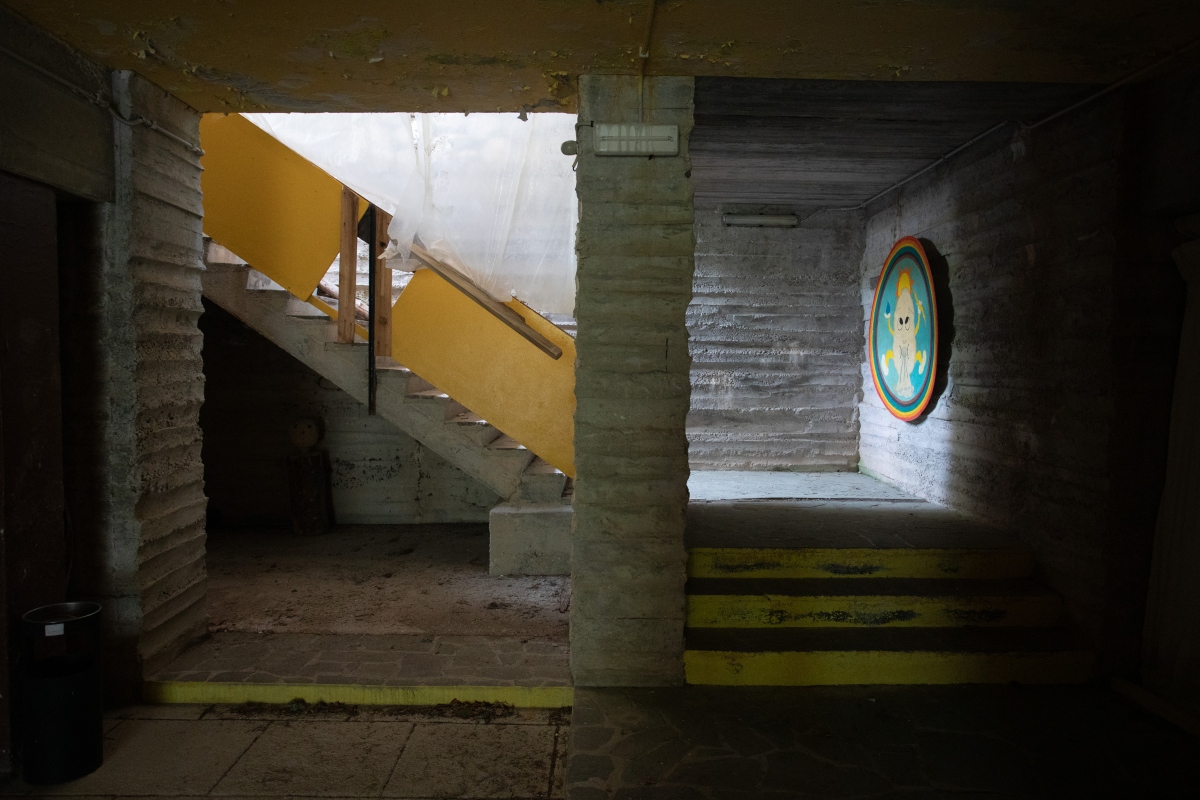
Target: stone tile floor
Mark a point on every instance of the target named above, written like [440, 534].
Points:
[379, 660]
[239, 751]
[878, 742]
[666, 744]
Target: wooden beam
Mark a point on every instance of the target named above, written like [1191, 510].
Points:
[383, 287]
[502, 312]
[347, 267]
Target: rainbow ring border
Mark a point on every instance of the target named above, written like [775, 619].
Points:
[915, 408]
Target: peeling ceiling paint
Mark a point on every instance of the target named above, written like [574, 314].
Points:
[467, 55]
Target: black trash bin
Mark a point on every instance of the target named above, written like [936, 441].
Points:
[60, 709]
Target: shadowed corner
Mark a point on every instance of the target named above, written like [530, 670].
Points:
[939, 269]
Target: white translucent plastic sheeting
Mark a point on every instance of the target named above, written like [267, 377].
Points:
[490, 194]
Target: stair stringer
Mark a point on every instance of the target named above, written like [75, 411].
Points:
[344, 365]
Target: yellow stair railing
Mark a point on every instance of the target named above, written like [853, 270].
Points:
[503, 361]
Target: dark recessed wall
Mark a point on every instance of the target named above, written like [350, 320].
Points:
[254, 392]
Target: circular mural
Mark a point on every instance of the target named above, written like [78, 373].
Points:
[903, 332]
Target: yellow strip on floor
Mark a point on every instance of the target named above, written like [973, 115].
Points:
[201, 692]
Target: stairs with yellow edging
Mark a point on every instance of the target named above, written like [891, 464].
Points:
[862, 591]
[412, 404]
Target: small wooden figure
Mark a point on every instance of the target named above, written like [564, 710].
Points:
[308, 479]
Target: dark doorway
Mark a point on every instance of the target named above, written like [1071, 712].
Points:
[32, 539]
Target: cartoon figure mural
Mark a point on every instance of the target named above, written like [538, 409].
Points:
[904, 325]
[903, 331]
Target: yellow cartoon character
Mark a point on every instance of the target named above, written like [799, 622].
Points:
[904, 324]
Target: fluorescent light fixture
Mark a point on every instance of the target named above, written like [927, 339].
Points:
[636, 139]
[760, 220]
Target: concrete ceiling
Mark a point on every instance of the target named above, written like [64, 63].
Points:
[814, 144]
[467, 55]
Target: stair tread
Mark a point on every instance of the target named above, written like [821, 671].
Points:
[966, 639]
[429, 393]
[859, 524]
[540, 466]
[468, 418]
[389, 364]
[865, 587]
[505, 442]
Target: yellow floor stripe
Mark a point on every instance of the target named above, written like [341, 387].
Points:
[865, 667]
[201, 692]
[821, 562]
[868, 611]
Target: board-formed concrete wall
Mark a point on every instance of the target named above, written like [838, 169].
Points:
[634, 282]
[1061, 325]
[137, 499]
[254, 391]
[775, 328]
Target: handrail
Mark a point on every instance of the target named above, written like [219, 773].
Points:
[502, 312]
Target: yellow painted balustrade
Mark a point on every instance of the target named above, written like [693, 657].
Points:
[465, 351]
[273, 207]
[282, 214]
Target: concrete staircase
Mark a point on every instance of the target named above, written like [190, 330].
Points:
[530, 531]
[851, 591]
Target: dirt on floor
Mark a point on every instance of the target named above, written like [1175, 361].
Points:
[378, 579]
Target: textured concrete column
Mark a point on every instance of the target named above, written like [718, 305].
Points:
[635, 248]
[139, 505]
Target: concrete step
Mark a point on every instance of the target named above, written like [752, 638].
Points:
[869, 602]
[345, 365]
[505, 442]
[830, 523]
[474, 427]
[847, 538]
[849, 656]
[299, 309]
[541, 483]
[860, 562]
[390, 364]
[530, 539]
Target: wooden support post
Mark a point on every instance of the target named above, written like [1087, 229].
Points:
[383, 287]
[348, 267]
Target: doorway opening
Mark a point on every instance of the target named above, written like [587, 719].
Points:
[385, 511]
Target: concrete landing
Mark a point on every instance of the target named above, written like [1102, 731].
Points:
[824, 510]
[376, 580]
[745, 485]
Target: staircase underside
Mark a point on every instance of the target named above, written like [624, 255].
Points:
[414, 406]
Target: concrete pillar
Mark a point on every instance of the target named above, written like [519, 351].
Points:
[635, 247]
[139, 508]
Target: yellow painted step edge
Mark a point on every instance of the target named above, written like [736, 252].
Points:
[871, 611]
[201, 692]
[833, 562]
[871, 667]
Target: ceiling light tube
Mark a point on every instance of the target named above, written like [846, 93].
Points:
[760, 220]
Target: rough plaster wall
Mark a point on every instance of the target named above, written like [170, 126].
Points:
[254, 391]
[149, 553]
[1020, 435]
[635, 248]
[775, 327]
